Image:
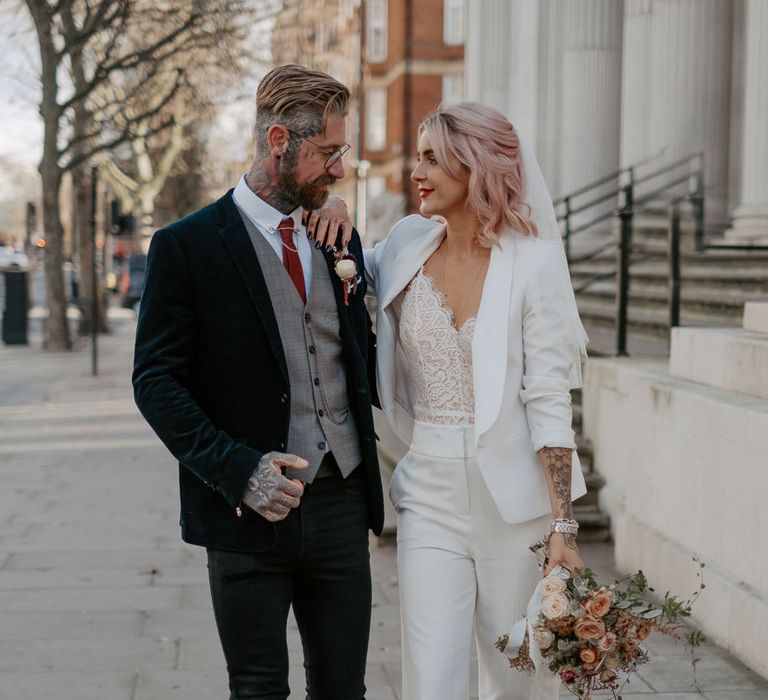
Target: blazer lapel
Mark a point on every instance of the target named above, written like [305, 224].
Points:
[489, 344]
[232, 231]
[407, 263]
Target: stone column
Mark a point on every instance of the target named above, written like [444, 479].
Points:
[590, 124]
[677, 76]
[549, 107]
[487, 55]
[501, 57]
[750, 219]
[635, 83]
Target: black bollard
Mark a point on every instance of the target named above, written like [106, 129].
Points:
[16, 306]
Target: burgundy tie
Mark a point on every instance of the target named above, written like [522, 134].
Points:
[291, 258]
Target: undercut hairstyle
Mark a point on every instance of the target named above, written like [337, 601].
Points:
[300, 99]
[486, 145]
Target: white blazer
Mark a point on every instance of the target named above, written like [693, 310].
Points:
[522, 357]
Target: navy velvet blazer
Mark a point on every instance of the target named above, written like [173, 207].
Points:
[210, 374]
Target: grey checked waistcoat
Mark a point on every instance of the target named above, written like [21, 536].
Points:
[320, 417]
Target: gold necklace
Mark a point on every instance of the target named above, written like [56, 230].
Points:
[457, 314]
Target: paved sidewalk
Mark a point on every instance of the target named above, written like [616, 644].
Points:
[99, 599]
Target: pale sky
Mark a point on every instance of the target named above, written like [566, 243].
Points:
[20, 124]
[21, 127]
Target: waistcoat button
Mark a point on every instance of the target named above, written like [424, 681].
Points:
[320, 413]
[311, 349]
[321, 445]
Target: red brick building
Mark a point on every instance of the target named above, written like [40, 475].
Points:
[414, 51]
[413, 59]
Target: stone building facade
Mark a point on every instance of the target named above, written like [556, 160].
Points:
[602, 84]
[414, 61]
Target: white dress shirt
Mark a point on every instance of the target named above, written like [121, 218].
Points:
[266, 218]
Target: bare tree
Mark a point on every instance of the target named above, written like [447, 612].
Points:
[84, 45]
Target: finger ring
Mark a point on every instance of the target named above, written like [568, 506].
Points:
[323, 218]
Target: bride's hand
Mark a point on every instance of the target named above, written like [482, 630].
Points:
[563, 551]
[330, 225]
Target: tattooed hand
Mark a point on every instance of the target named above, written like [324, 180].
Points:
[562, 548]
[271, 494]
[330, 225]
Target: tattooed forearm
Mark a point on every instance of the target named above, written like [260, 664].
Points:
[557, 462]
[557, 466]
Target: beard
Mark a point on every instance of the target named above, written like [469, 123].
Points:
[310, 195]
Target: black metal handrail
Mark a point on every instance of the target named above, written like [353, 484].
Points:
[672, 166]
[630, 192]
[613, 177]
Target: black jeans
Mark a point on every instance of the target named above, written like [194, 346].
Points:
[321, 566]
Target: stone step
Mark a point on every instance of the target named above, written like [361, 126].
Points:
[601, 313]
[602, 342]
[594, 525]
[730, 262]
[707, 259]
[594, 483]
[719, 303]
[752, 283]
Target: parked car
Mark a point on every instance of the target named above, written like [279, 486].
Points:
[133, 280]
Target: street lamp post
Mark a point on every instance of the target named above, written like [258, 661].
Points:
[94, 277]
[363, 166]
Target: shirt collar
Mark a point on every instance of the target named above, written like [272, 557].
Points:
[261, 214]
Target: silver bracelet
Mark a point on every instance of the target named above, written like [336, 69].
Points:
[565, 526]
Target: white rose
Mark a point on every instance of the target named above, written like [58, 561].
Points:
[346, 268]
[551, 585]
[555, 606]
[543, 637]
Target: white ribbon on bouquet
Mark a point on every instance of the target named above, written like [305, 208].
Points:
[517, 633]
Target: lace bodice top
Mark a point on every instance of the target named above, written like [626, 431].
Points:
[439, 356]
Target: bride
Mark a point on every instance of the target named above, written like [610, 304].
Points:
[478, 344]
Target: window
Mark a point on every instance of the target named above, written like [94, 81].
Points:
[453, 88]
[376, 31]
[453, 22]
[376, 118]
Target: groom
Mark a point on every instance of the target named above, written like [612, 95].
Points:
[252, 367]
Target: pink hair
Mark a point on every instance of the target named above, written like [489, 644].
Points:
[486, 144]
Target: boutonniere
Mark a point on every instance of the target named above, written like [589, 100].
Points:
[346, 270]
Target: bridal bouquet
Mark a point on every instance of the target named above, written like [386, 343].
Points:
[591, 634]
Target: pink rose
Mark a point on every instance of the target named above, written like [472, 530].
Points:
[589, 628]
[599, 604]
[568, 675]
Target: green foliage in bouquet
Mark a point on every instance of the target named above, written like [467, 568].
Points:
[590, 634]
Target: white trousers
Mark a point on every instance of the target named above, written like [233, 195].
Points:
[460, 565]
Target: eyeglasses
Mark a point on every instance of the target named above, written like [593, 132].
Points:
[331, 157]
